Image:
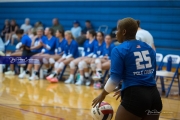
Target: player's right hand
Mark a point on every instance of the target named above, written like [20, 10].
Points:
[117, 94]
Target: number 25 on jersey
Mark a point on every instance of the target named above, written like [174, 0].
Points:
[142, 56]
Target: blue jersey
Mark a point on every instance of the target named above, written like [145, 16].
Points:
[89, 47]
[134, 62]
[36, 43]
[98, 50]
[72, 49]
[26, 40]
[51, 43]
[60, 46]
[107, 51]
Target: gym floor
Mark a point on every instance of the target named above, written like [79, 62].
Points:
[40, 100]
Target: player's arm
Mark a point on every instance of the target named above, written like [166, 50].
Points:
[115, 78]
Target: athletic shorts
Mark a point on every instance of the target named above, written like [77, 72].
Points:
[28, 53]
[139, 100]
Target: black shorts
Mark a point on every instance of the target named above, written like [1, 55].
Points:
[28, 53]
[139, 100]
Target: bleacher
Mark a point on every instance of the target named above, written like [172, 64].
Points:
[160, 18]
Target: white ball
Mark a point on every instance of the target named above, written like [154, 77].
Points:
[104, 112]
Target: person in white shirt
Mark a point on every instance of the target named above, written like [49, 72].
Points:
[26, 26]
[145, 36]
[76, 29]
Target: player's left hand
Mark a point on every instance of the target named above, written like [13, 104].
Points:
[98, 99]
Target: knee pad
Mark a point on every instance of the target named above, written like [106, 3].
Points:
[72, 65]
[45, 61]
[56, 65]
[82, 65]
[97, 61]
[93, 67]
[51, 60]
[61, 65]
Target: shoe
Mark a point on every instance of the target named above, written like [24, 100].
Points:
[69, 81]
[23, 75]
[34, 77]
[97, 85]
[79, 82]
[49, 77]
[53, 80]
[96, 77]
[9, 73]
[88, 82]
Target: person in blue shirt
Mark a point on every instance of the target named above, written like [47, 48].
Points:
[102, 63]
[60, 48]
[49, 46]
[134, 63]
[83, 65]
[23, 48]
[70, 53]
[89, 46]
[36, 47]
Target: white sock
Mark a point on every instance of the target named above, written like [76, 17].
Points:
[71, 76]
[86, 74]
[81, 77]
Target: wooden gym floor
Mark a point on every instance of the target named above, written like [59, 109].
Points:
[40, 100]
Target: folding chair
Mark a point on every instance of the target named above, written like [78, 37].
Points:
[169, 74]
[103, 28]
[159, 60]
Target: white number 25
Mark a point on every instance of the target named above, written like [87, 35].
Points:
[142, 56]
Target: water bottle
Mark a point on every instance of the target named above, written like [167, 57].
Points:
[169, 64]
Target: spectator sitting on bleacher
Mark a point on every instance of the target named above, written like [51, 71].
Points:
[5, 31]
[81, 39]
[145, 36]
[76, 29]
[13, 28]
[23, 49]
[26, 26]
[56, 25]
[37, 25]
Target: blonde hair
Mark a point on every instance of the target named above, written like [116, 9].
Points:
[69, 33]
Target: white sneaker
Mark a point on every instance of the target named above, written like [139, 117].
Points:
[9, 73]
[88, 82]
[34, 77]
[96, 77]
[23, 75]
[69, 81]
[79, 82]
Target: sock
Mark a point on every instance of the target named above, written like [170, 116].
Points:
[54, 74]
[99, 71]
[81, 77]
[36, 73]
[86, 75]
[27, 72]
[49, 70]
[71, 76]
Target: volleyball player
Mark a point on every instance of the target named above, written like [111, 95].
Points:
[36, 48]
[23, 49]
[144, 36]
[89, 46]
[49, 46]
[71, 53]
[60, 47]
[102, 63]
[83, 65]
[134, 62]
